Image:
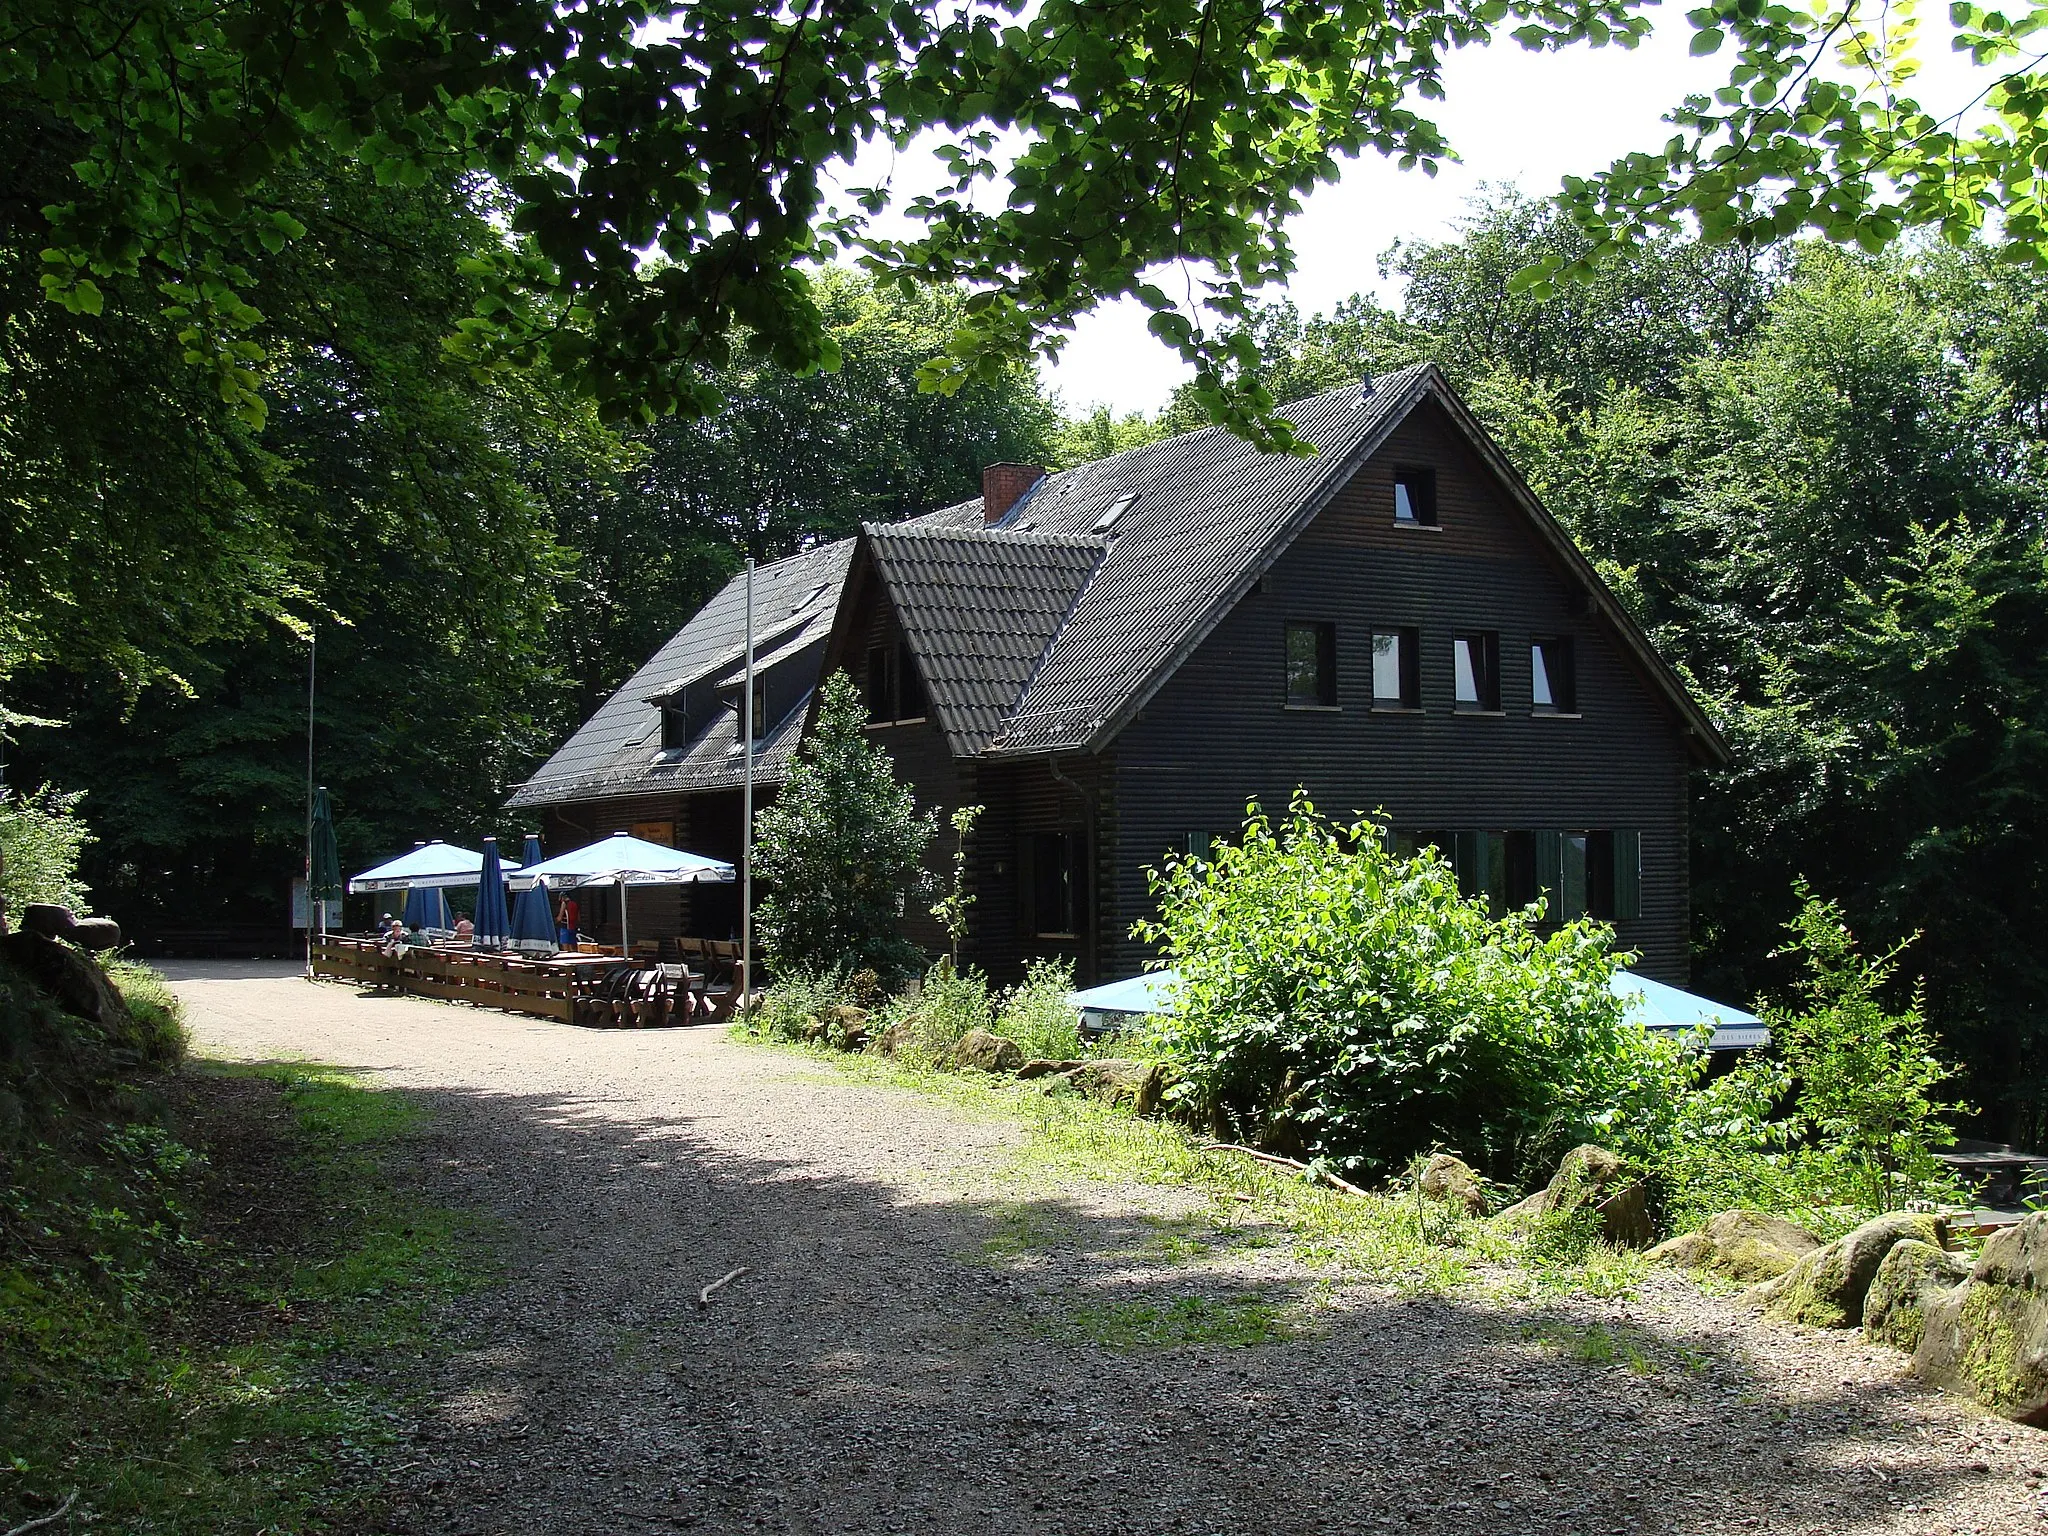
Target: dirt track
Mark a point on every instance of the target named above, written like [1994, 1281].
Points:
[909, 1351]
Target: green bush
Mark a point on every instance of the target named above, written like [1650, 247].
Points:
[1036, 1014]
[797, 1003]
[939, 1012]
[1338, 1001]
[40, 840]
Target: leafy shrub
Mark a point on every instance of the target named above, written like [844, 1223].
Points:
[1340, 1002]
[797, 1003]
[840, 851]
[41, 837]
[1036, 1014]
[939, 1012]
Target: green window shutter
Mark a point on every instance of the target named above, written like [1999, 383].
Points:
[1496, 872]
[1549, 870]
[1628, 874]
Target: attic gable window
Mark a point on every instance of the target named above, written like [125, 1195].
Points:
[1415, 498]
[1553, 686]
[1312, 666]
[893, 690]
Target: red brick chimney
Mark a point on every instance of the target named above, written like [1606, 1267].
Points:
[1003, 486]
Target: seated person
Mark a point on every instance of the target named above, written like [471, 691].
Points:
[465, 930]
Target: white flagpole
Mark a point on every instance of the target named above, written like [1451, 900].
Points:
[747, 812]
[312, 666]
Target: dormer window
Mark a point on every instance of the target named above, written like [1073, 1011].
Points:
[675, 725]
[1415, 498]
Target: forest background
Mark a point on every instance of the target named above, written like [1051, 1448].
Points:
[1815, 476]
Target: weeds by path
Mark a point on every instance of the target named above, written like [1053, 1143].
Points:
[192, 1339]
[1392, 1239]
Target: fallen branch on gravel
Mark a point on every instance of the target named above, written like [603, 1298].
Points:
[704, 1296]
[50, 1519]
[1278, 1161]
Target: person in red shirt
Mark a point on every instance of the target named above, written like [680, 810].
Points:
[566, 918]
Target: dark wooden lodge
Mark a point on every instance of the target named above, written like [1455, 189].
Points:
[1113, 660]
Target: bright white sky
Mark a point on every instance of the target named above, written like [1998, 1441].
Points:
[1514, 116]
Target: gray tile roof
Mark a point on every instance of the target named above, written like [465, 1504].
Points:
[1207, 519]
[1049, 631]
[979, 608]
[618, 750]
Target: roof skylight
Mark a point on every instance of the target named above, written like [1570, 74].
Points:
[1116, 510]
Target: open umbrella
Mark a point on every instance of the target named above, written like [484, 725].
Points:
[623, 860]
[323, 873]
[435, 863]
[491, 920]
[533, 922]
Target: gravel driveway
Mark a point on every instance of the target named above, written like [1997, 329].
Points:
[911, 1351]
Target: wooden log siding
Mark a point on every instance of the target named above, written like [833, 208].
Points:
[1216, 735]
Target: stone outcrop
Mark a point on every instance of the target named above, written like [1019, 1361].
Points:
[1742, 1245]
[1115, 1080]
[980, 1051]
[1910, 1279]
[1592, 1177]
[70, 979]
[1826, 1289]
[1039, 1066]
[54, 922]
[1453, 1181]
[1988, 1337]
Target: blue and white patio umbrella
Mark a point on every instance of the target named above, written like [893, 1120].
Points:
[436, 863]
[492, 924]
[1652, 1004]
[533, 920]
[623, 860]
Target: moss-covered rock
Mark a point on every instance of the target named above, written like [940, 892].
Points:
[1590, 1176]
[1454, 1181]
[1911, 1278]
[1114, 1080]
[1742, 1245]
[981, 1051]
[1827, 1288]
[1988, 1338]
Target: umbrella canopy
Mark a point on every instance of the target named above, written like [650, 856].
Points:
[1652, 1004]
[323, 881]
[427, 908]
[1656, 1006]
[622, 859]
[492, 921]
[435, 863]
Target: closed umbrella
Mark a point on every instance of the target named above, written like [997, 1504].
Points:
[427, 908]
[492, 922]
[323, 872]
[533, 921]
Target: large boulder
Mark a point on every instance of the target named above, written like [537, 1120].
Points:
[1039, 1066]
[1591, 1177]
[1453, 1181]
[55, 922]
[1910, 1278]
[980, 1051]
[1114, 1080]
[70, 979]
[1742, 1245]
[1988, 1337]
[1826, 1289]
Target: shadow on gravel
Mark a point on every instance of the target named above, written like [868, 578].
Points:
[896, 1364]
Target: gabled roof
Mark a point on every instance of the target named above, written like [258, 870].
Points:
[617, 752]
[978, 609]
[1211, 513]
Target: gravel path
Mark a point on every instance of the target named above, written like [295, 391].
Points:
[910, 1351]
